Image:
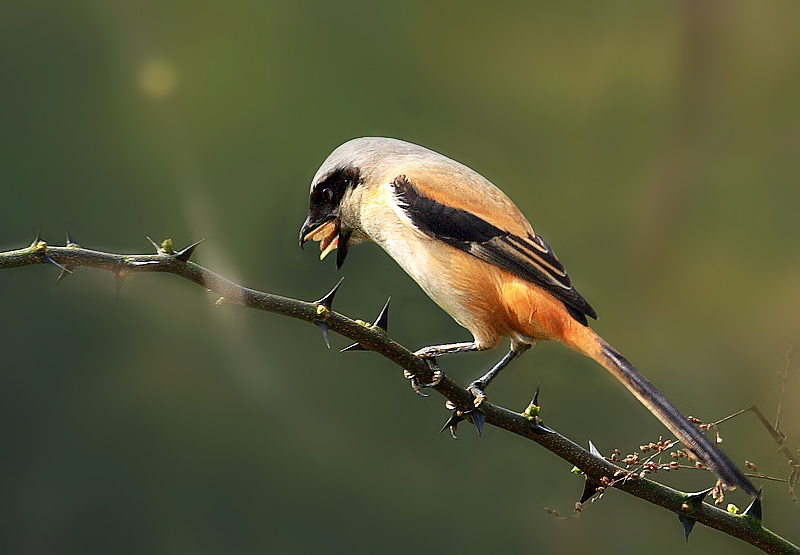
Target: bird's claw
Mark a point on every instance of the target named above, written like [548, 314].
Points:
[477, 391]
[438, 375]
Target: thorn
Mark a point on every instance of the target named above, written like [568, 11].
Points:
[61, 276]
[533, 410]
[186, 253]
[688, 524]
[478, 419]
[692, 504]
[353, 347]
[327, 300]
[50, 260]
[589, 489]
[754, 508]
[452, 424]
[38, 236]
[382, 321]
[695, 500]
[156, 245]
[539, 428]
[593, 450]
[323, 310]
[70, 241]
[324, 327]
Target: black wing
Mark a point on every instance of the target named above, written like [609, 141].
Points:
[529, 258]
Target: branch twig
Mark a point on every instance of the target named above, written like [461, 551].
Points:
[372, 337]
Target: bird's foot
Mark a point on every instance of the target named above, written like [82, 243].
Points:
[476, 388]
[418, 386]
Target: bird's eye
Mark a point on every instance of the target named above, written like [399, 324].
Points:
[327, 194]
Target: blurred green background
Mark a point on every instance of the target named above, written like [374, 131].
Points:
[655, 146]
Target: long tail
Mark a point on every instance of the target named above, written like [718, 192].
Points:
[686, 432]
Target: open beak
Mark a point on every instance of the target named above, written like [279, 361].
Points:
[327, 233]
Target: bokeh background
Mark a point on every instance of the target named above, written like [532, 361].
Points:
[655, 146]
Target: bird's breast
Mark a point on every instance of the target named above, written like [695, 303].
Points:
[463, 286]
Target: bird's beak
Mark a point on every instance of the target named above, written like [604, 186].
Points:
[326, 232]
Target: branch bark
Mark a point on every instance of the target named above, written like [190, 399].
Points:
[598, 470]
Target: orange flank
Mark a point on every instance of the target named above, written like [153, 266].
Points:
[536, 314]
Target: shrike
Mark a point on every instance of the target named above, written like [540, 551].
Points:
[474, 253]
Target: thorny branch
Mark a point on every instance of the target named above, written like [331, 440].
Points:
[773, 430]
[600, 472]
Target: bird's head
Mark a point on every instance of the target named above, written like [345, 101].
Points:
[330, 190]
[348, 184]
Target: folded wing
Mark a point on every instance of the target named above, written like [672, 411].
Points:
[521, 252]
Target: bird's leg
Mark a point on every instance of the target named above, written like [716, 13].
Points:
[478, 386]
[437, 350]
[429, 354]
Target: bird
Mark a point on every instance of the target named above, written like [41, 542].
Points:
[474, 253]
